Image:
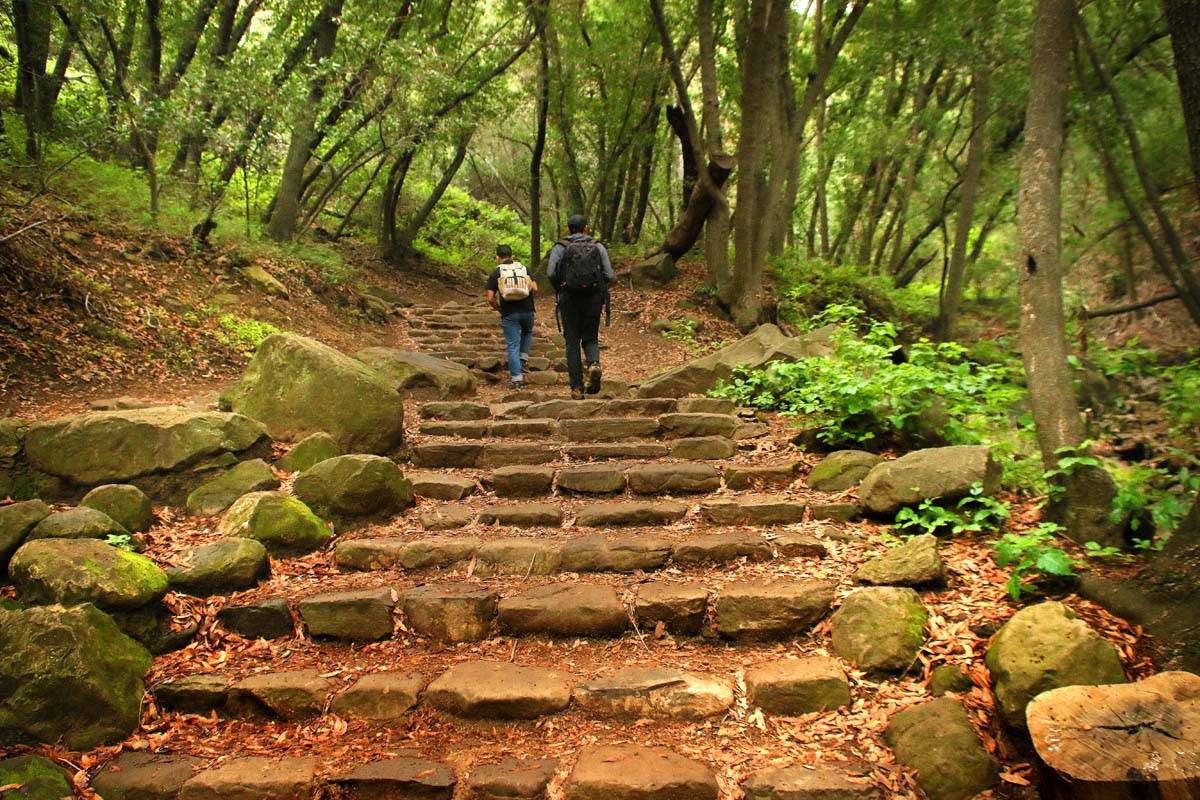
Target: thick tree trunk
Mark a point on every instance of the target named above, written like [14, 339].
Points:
[683, 236]
[1183, 21]
[647, 180]
[539, 10]
[32, 22]
[282, 226]
[691, 169]
[1088, 490]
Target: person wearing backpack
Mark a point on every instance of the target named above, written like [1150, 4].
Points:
[580, 272]
[510, 291]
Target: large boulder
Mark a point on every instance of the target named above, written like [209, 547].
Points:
[220, 493]
[658, 269]
[38, 778]
[166, 450]
[1044, 647]
[354, 486]
[69, 674]
[282, 524]
[842, 470]
[936, 472]
[881, 628]
[938, 741]
[297, 386]
[126, 504]
[419, 375]
[765, 344]
[72, 571]
[16, 521]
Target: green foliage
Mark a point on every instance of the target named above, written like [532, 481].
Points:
[862, 395]
[1179, 393]
[463, 232]
[1155, 497]
[807, 287]
[972, 514]
[243, 335]
[121, 541]
[1033, 552]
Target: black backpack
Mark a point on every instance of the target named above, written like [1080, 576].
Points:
[582, 267]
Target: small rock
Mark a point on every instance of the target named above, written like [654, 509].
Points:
[193, 694]
[512, 779]
[77, 523]
[144, 776]
[286, 695]
[937, 740]
[679, 607]
[639, 450]
[836, 512]
[254, 778]
[397, 777]
[799, 545]
[440, 486]
[380, 696]
[721, 548]
[797, 686]
[655, 692]
[281, 523]
[354, 486]
[308, 452]
[455, 612]
[215, 496]
[750, 430]
[880, 628]
[525, 428]
[357, 614]
[474, 429]
[228, 565]
[499, 690]
[522, 481]
[948, 679]
[447, 454]
[127, 505]
[447, 518]
[916, 562]
[755, 610]
[262, 280]
[266, 619]
[760, 476]
[705, 405]
[634, 772]
[565, 609]
[842, 470]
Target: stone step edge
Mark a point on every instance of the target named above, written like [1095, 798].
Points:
[553, 483]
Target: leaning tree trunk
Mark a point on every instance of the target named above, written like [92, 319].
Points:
[683, 236]
[1183, 22]
[1088, 491]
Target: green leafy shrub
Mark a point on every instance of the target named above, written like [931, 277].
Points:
[808, 285]
[243, 335]
[972, 514]
[121, 541]
[1180, 390]
[862, 395]
[1154, 498]
[1033, 552]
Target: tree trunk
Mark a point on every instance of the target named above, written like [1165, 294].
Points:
[691, 169]
[406, 238]
[1088, 490]
[976, 150]
[282, 226]
[647, 180]
[1183, 21]
[683, 236]
[32, 22]
[539, 10]
[716, 221]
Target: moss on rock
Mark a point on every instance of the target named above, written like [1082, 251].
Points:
[281, 523]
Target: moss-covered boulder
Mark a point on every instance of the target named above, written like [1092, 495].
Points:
[77, 523]
[12, 441]
[281, 523]
[916, 562]
[35, 778]
[72, 571]
[126, 504]
[842, 470]
[355, 486]
[215, 496]
[936, 472]
[880, 628]
[101, 447]
[230, 565]
[309, 451]
[16, 521]
[938, 741]
[419, 375]
[69, 674]
[1044, 647]
[297, 386]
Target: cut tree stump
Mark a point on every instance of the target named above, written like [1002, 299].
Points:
[1136, 741]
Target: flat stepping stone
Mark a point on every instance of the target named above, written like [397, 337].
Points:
[517, 556]
[597, 553]
[631, 450]
[192, 694]
[760, 476]
[266, 619]
[446, 518]
[673, 478]
[678, 607]
[754, 610]
[566, 409]
[254, 778]
[795, 686]
[499, 690]
[565, 609]
[720, 548]
[397, 777]
[522, 481]
[915, 562]
[450, 612]
[638, 407]
[286, 695]
[608, 429]
[473, 429]
[703, 448]
[600, 515]
[523, 515]
[456, 411]
[542, 378]
[799, 545]
[504, 454]
[761, 509]
[881, 628]
[525, 428]
[440, 486]
[359, 614]
[686, 425]
[512, 779]
[704, 405]
[143, 776]
[385, 553]
[380, 696]
[447, 454]
[655, 692]
[592, 479]
[836, 512]
[822, 782]
[634, 772]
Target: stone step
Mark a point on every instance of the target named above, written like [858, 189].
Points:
[528, 555]
[705, 430]
[565, 408]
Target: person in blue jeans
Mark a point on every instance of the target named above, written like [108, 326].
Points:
[510, 291]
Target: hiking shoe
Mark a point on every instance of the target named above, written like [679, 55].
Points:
[524, 357]
[517, 385]
[593, 378]
[577, 394]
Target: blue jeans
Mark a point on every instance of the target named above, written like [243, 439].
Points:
[518, 338]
